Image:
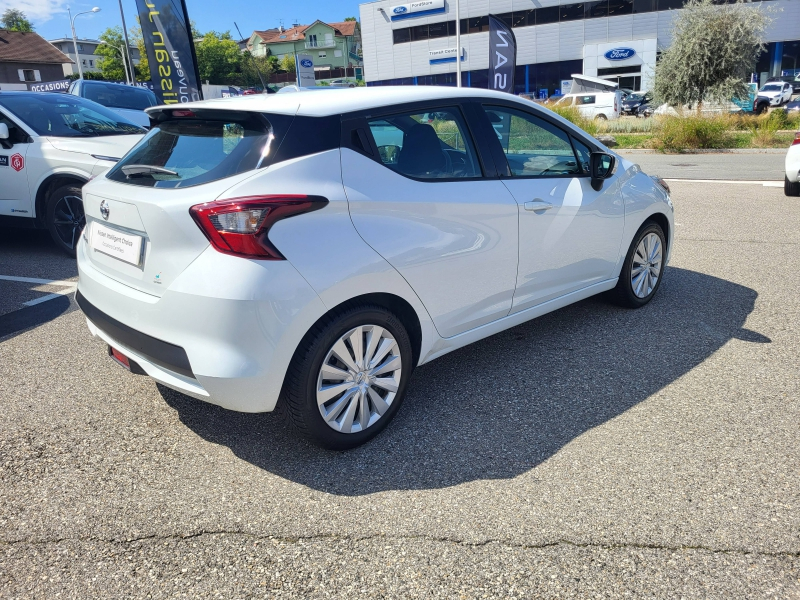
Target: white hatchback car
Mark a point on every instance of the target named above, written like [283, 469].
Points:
[313, 248]
[51, 144]
[791, 182]
[778, 93]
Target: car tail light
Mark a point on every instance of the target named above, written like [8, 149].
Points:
[796, 141]
[240, 226]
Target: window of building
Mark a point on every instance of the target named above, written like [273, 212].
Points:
[29, 75]
[91, 62]
[548, 14]
[620, 7]
[644, 6]
[419, 33]
[426, 145]
[401, 36]
[437, 30]
[83, 61]
[595, 9]
[533, 147]
[670, 4]
[572, 12]
[523, 18]
[323, 54]
[312, 41]
[477, 24]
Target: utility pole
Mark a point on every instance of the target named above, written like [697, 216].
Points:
[127, 44]
[458, 44]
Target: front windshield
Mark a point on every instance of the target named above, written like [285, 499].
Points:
[62, 115]
[636, 97]
[118, 96]
[771, 88]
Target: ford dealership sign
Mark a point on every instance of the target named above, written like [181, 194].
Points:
[306, 63]
[620, 53]
[420, 8]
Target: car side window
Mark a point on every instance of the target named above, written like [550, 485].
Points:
[15, 134]
[585, 100]
[533, 146]
[426, 145]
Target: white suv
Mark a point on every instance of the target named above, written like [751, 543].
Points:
[313, 248]
[50, 145]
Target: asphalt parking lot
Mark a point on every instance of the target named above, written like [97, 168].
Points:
[594, 452]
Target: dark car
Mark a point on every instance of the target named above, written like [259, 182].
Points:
[631, 104]
[760, 104]
[793, 106]
[644, 110]
[126, 100]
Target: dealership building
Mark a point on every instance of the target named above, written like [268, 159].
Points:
[619, 40]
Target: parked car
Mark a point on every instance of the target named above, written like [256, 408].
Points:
[595, 105]
[777, 93]
[249, 252]
[645, 110]
[51, 145]
[128, 101]
[761, 104]
[793, 106]
[791, 182]
[633, 101]
[792, 80]
[341, 83]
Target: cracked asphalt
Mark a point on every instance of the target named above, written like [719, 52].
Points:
[594, 452]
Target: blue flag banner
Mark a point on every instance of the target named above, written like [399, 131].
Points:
[170, 50]
[502, 56]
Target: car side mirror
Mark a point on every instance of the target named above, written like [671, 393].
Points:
[601, 167]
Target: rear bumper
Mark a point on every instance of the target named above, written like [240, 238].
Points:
[223, 331]
[793, 164]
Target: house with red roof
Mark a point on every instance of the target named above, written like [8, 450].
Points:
[331, 45]
[26, 57]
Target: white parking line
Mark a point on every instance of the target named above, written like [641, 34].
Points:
[69, 287]
[744, 182]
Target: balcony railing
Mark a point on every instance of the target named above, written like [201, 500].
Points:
[320, 44]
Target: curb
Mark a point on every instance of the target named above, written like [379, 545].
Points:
[705, 151]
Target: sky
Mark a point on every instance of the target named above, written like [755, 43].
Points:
[50, 18]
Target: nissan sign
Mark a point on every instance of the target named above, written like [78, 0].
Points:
[620, 54]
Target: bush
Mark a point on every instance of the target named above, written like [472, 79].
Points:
[675, 134]
[573, 115]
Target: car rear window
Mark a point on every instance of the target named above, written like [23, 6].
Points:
[208, 145]
[116, 96]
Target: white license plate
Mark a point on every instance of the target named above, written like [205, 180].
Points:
[123, 246]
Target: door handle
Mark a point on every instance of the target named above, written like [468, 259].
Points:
[538, 205]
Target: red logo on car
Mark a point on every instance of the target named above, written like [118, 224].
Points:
[17, 162]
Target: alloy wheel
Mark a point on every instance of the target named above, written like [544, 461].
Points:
[69, 219]
[359, 379]
[646, 268]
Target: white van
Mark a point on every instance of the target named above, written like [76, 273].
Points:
[595, 104]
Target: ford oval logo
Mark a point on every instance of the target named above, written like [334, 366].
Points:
[306, 63]
[620, 53]
[399, 10]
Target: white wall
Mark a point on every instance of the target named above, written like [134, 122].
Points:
[544, 43]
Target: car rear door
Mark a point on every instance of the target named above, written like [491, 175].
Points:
[429, 204]
[569, 234]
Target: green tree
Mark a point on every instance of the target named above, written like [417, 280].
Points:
[349, 19]
[250, 68]
[137, 39]
[714, 49]
[110, 64]
[218, 58]
[15, 20]
[287, 64]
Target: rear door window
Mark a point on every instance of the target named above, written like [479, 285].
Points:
[426, 145]
[586, 99]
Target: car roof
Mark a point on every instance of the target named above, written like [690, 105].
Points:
[324, 102]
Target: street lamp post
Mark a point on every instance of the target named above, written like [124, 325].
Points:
[124, 64]
[74, 39]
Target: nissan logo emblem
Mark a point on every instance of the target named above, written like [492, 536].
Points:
[105, 210]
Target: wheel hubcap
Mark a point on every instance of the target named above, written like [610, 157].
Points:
[359, 378]
[646, 268]
[69, 219]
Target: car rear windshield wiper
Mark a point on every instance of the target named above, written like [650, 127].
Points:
[141, 170]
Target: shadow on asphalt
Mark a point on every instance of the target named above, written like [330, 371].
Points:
[499, 407]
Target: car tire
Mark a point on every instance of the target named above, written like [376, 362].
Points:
[350, 406]
[65, 217]
[791, 188]
[601, 117]
[631, 290]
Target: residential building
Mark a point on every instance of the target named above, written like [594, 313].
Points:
[617, 40]
[28, 58]
[331, 45]
[86, 48]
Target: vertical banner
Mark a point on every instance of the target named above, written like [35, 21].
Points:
[304, 66]
[502, 56]
[170, 50]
